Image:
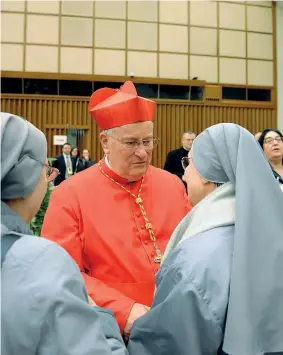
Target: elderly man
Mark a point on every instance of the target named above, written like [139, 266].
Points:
[116, 218]
[173, 160]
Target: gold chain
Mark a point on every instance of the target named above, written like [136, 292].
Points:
[139, 202]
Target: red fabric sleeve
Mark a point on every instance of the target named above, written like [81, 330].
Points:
[61, 225]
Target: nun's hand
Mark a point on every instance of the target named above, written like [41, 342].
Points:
[137, 311]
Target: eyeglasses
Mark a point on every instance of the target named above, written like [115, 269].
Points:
[51, 173]
[148, 143]
[185, 161]
[270, 140]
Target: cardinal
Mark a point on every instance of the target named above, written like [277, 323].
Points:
[115, 218]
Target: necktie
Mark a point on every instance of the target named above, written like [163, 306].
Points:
[69, 166]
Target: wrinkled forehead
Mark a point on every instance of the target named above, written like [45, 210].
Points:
[135, 130]
[271, 134]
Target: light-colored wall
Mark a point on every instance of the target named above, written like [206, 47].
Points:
[216, 41]
[279, 40]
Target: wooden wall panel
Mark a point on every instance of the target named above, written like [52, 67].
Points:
[53, 115]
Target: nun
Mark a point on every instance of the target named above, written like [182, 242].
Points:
[44, 306]
[220, 286]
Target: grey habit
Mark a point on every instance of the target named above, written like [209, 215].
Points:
[44, 308]
[222, 290]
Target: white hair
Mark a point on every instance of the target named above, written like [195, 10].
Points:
[107, 131]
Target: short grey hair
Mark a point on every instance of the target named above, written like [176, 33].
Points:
[108, 131]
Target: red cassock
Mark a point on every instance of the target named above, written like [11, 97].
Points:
[101, 226]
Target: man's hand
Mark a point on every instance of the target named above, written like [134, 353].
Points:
[137, 311]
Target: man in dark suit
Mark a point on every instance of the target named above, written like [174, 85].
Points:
[173, 160]
[65, 163]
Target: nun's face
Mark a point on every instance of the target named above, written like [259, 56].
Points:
[198, 188]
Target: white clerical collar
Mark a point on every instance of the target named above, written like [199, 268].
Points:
[107, 162]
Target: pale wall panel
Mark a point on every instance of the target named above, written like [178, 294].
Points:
[41, 59]
[173, 38]
[259, 19]
[76, 31]
[76, 60]
[110, 9]
[12, 27]
[173, 66]
[173, 12]
[260, 3]
[203, 41]
[12, 57]
[232, 16]
[143, 10]
[260, 73]
[109, 62]
[46, 7]
[232, 71]
[80, 8]
[13, 6]
[142, 64]
[142, 36]
[260, 46]
[110, 33]
[203, 13]
[232, 43]
[205, 68]
[42, 29]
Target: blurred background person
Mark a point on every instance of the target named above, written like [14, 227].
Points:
[257, 135]
[87, 159]
[173, 160]
[65, 163]
[271, 142]
[78, 161]
[44, 304]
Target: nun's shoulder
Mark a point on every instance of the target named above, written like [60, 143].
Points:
[204, 248]
[38, 263]
[205, 261]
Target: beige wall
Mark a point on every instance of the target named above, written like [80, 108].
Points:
[227, 42]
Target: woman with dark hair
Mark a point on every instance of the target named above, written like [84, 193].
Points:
[87, 159]
[271, 142]
[78, 162]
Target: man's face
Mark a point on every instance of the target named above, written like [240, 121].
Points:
[66, 149]
[187, 140]
[126, 157]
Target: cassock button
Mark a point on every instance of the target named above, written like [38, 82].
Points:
[145, 242]
[152, 253]
[142, 226]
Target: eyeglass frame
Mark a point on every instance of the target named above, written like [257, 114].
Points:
[138, 143]
[184, 166]
[278, 139]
